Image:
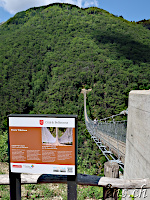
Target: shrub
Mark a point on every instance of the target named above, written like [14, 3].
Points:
[4, 147]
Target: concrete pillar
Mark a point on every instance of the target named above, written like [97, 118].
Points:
[137, 158]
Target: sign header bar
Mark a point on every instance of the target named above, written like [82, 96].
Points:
[41, 122]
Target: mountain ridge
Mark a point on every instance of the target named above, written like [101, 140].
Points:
[47, 55]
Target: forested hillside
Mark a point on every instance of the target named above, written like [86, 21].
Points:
[48, 54]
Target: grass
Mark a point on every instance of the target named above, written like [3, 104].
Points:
[59, 192]
[42, 191]
[4, 192]
[53, 192]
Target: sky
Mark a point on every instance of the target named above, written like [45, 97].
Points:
[131, 10]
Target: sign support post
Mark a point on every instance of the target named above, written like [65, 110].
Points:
[15, 186]
[72, 188]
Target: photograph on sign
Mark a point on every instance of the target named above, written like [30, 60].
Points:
[57, 136]
[42, 145]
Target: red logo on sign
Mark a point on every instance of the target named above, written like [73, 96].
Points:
[17, 166]
[41, 122]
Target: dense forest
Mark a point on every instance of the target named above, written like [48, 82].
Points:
[48, 54]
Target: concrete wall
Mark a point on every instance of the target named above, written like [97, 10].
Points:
[137, 158]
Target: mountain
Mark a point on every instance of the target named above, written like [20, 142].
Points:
[48, 54]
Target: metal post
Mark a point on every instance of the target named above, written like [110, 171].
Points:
[15, 186]
[72, 188]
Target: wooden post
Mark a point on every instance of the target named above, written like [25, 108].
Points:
[111, 169]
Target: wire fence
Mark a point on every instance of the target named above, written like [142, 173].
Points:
[115, 129]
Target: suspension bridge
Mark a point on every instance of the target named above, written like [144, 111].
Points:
[110, 136]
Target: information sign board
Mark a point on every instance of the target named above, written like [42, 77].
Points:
[43, 144]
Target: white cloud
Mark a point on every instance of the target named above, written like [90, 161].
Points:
[93, 3]
[14, 6]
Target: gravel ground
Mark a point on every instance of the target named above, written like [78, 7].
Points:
[4, 168]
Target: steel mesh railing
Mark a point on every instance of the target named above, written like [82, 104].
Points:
[110, 132]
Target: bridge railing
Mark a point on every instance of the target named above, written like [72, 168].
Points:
[115, 129]
[108, 142]
[110, 132]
